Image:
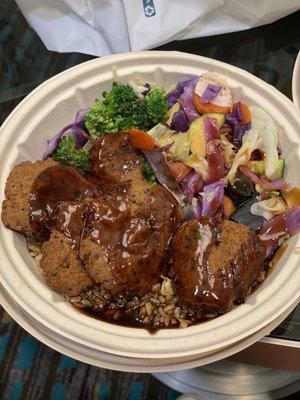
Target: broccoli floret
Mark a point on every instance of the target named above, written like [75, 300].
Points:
[156, 106]
[120, 109]
[66, 153]
[99, 121]
[148, 173]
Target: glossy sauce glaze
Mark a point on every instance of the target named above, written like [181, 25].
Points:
[122, 247]
[55, 184]
[68, 218]
[274, 232]
[191, 248]
[131, 317]
[112, 158]
[124, 232]
[215, 264]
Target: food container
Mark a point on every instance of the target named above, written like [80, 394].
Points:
[296, 82]
[122, 363]
[23, 135]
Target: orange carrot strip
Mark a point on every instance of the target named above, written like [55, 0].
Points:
[245, 111]
[179, 170]
[207, 108]
[141, 139]
[228, 206]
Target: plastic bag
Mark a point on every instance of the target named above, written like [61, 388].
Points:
[101, 27]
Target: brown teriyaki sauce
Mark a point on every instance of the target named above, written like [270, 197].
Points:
[64, 184]
[53, 185]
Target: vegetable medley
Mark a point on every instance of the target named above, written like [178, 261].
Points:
[222, 154]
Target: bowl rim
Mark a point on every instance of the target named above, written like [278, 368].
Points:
[138, 342]
[296, 81]
[124, 363]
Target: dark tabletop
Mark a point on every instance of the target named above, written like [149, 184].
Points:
[28, 369]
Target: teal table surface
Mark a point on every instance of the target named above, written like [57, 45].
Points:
[28, 369]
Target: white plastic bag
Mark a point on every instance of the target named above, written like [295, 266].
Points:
[96, 27]
[101, 27]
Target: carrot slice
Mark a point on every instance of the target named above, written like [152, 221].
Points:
[245, 111]
[179, 170]
[228, 206]
[207, 108]
[141, 139]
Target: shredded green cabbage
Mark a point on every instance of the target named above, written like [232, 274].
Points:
[263, 136]
[180, 149]
[264, 124]
[199, 164]
[268, 208]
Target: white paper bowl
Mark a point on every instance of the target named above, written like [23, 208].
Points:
[296, 82]
[122, 363]
[51, 106]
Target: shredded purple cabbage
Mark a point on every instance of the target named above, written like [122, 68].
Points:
[79, 117]
[179, 121]
[265, 184]
[212, 199]
[214, 157]
[292, 217]
[184, 94]
[77, 130]
[277, 228]
[163, 174]
[173, 97]
[186, 101]
[234, 119]
[53, 142]
[238, 112]
[231, 119]
[192, 185]
[279, 184]
[238, 133]
[210, 93]
[191, 81]
[198, 208]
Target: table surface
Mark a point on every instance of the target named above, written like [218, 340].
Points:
[28, 369]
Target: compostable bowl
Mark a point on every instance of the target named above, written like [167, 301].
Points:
[123, 363]
[296, 82]
[53, 105]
